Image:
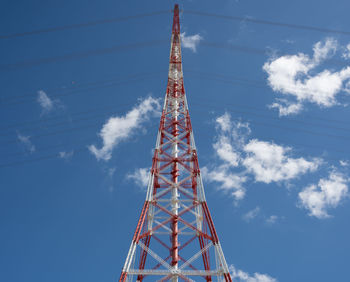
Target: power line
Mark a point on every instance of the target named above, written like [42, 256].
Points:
[111, 83]
[192, 12]
[48, 119]
[119, 48]
[131, 46]
[92, 125]
[291, 128]
[78, 85]
[74, 129]
[253, 50]
[115, 82]
[81, 149]
[240, 106]
[267, 22]
[256, 84]
[116, 107]
[81, 25]
[43, 158]
[48, 148]
[80, 55]
[201, 105]
[271, 117]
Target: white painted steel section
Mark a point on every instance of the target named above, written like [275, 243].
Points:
[194, 257]
[155, 256]
[130, 256]
[183, 272]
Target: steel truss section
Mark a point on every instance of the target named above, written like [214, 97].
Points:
[175, 238]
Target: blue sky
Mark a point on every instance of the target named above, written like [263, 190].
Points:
[269, 110]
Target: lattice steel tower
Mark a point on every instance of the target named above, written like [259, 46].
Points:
[175, 206]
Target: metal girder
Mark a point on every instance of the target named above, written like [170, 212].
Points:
[175, 213]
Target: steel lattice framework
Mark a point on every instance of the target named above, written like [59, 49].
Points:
[175, 207]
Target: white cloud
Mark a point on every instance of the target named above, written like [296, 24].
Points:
[272, 219]
[241, 276]
[286, 107]
[140, 177]
[47, 104]
[292, 76]
[109, 178]
[44, 101]
[250, 215]
[323, 50]
[225, 151]
[224, 122]
[191, 42]
[66, 155]
[111, 171]
[241, 159]
[328, 193]
[118, 129]
[25, 141]
[230, 132]
[229, 182]
[346, 53]
[269, 162]
[231, 137]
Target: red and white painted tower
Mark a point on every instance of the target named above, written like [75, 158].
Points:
[175, 238]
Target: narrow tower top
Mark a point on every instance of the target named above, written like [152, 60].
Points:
[176, 20]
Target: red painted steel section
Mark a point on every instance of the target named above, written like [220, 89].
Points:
[172, 170]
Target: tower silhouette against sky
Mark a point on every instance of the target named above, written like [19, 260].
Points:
[175, 238]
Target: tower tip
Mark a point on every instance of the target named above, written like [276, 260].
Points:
[176, 21]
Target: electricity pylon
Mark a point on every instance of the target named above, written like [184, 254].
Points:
[175, 207]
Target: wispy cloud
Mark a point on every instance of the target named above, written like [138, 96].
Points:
[257, 213]
[47, 104]
[25, 141]
[120, 128]
[66, 155]
[272, 219]
[110, 178]
[241, 276]
[140, 177]
[346, 52]
[328, 193]
[250, 215]
[293, 76]
[44, 101]
[191, 41]
[230, 182]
